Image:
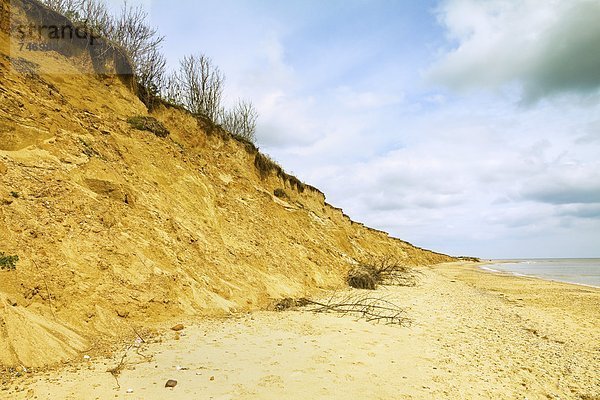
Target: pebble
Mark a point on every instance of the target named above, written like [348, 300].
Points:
[171, 383]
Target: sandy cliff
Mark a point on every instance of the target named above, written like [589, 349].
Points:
[118, 229]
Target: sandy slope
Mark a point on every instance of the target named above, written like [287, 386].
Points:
[475, 335]
[117, 228]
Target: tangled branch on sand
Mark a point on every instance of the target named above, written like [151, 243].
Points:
[371, 308]
[137, 343]
[385, 270]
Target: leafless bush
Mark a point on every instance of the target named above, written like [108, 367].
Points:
[391, 271]
[95, 14]
[200, 85]
[385, 270]
[142, 42]
[240, 120]
[130, 30]
[67, 8]
[363, 277]
[151, 76]
[172, 90]
[197, 85]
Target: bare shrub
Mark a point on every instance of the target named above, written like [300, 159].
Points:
[372, 309]
[67, 8]
[151, 76]
[385, 270]
[131, 31]
[391, 271]
[95, 15]
[363, 277]
[172, 90]
[197, 85]
[142, 42]
[200, 84]
[240, 120]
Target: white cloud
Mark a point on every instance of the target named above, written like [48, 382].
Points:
[544, 48]
[355, 100]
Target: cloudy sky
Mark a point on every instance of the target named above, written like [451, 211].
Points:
[468, 127]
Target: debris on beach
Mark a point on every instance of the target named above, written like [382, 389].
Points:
[171, 383]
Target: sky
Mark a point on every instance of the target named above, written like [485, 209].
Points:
[467, 127]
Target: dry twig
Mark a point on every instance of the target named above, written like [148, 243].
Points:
[116, 370]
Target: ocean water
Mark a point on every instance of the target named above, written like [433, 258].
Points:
[584, 271]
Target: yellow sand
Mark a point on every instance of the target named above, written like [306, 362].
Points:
[475, 335]
[118, 229]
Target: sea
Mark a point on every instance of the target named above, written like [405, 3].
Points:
[582, 271]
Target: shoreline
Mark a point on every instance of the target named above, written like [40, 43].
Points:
[484, 265]
[473, 335]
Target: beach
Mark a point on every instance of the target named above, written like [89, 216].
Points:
[473, 335]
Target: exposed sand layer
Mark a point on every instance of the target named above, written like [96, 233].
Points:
[475, 335]
[116, 227]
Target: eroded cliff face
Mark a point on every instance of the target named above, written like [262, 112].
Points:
[118, 229]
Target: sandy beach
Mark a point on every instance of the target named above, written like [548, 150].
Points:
[474, 335]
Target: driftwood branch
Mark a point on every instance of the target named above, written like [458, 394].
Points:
[370, 308]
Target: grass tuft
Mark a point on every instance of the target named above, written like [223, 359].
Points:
[8, 262]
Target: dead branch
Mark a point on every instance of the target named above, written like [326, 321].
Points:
[370, 308]
[116, 370]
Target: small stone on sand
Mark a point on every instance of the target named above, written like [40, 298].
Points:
[171, 383]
